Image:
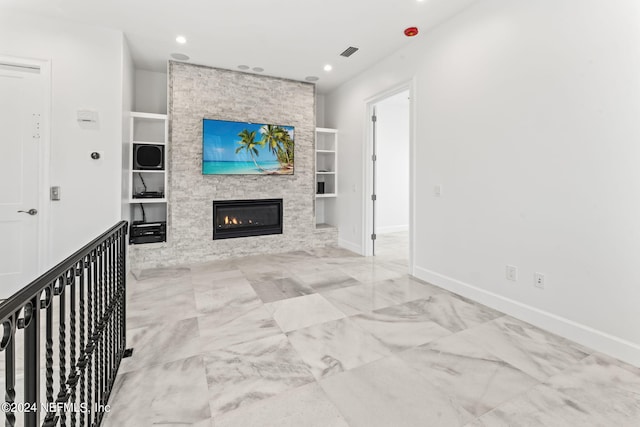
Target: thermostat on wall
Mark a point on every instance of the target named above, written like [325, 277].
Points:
[85, 116]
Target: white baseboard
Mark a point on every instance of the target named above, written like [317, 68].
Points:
[391, 229]
[350, 246]
[597, 340]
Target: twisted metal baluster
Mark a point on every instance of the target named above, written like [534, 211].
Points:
[100, 364]
[31, 358]
[73, 376]
[90, 330]
[106, 368]
[50, 417]
[62, 351]
[112, 316]
[107, 317]
[82, 360]
[107, 323]
[10, 378]
[97, 328]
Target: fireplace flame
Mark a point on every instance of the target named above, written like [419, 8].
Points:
[232, 220]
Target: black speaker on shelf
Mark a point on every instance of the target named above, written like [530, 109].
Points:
[320, 188]
[148, 157]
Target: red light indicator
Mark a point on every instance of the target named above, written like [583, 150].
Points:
[411, 31]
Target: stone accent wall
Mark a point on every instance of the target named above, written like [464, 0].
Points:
[197, 92]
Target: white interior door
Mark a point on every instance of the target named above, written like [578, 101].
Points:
[21, 105]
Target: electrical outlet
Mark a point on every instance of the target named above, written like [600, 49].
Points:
[511, 273]
[538, 280]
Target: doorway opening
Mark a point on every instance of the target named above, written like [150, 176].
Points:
[388, 178]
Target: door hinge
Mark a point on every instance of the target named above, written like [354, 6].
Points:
[374, 158]
[35, 125]
[373, 236]
[374, 197]
[374, 118]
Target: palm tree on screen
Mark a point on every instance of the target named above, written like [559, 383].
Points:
[285, 150]
[279, 142]
[249, 144]
[272, 137]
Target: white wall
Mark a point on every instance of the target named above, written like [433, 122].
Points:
[151, 92]
[392, 189]
[320, 100]
[128, 102]
[86, 67]
[527, 114]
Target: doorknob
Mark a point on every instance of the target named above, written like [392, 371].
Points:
[30, 212]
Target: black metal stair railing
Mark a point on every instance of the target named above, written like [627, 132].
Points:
[80, 308]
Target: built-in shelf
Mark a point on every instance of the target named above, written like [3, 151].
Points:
[148, 142]
[147, 129]
[153, 116]
[148, 171]
[147, 200]
[326, 177]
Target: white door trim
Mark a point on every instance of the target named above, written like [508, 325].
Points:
[367, 185]
[44, 160]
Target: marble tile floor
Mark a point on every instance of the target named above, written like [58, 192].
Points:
[328, 338]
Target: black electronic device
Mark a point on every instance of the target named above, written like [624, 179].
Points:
[148, 157]
[148, 232]
[149, 195]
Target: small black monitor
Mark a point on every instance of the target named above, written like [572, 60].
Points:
[148, 157]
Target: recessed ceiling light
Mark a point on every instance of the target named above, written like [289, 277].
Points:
[328, 67]
[243, 67]
[312, 78]
[258, 69]
[181, 39]
[179, 56]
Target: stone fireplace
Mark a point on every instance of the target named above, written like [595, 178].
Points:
[197, 92]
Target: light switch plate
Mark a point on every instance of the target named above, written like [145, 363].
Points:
[55, 193]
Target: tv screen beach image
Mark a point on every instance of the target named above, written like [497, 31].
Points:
[236, 148]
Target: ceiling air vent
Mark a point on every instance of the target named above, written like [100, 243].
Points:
[349, 51]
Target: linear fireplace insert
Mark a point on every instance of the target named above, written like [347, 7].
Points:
[243, 218]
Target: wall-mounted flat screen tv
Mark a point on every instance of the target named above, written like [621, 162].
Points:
[240, 148]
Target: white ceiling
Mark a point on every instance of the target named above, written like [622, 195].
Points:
[288, 38]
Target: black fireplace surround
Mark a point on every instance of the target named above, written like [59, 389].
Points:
[244, 218]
